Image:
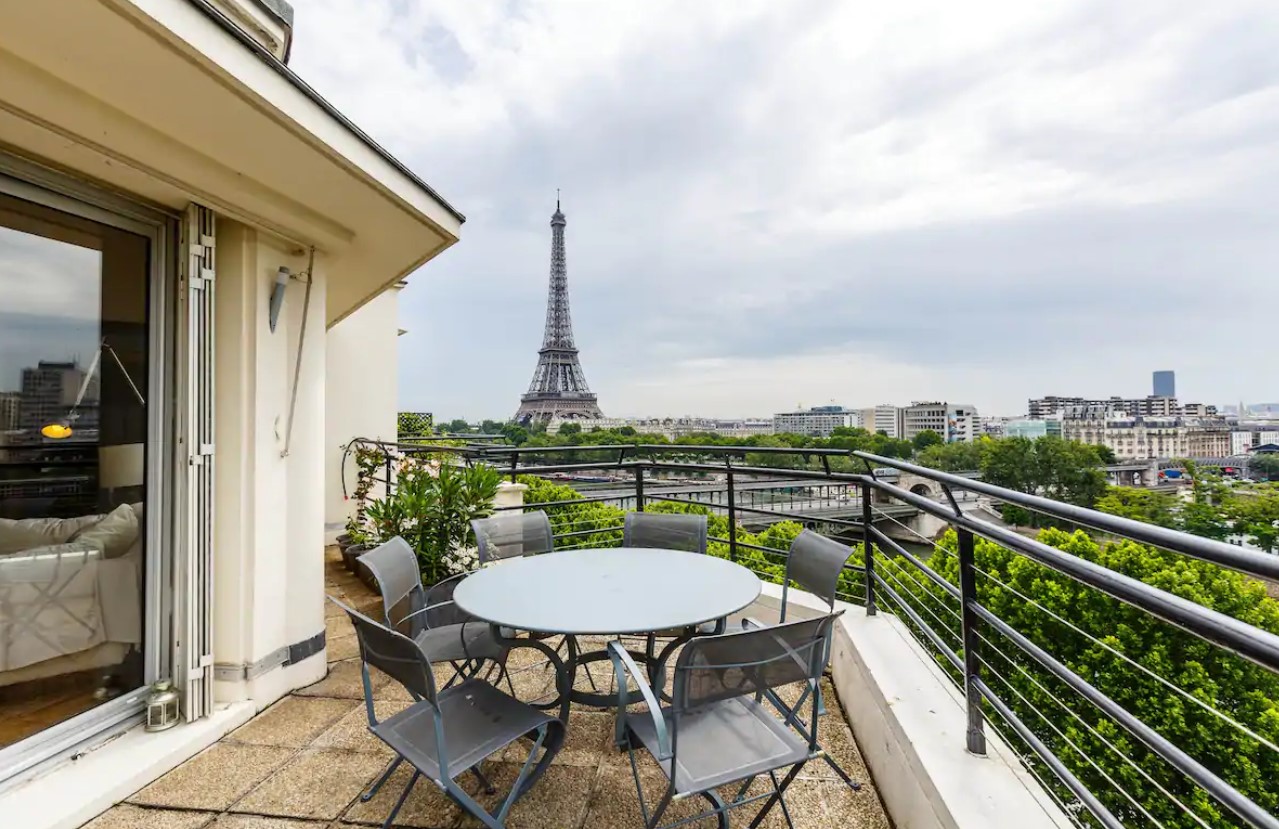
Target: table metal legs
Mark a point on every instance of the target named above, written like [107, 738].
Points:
[563, 674]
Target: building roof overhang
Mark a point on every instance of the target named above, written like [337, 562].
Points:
[163, 100]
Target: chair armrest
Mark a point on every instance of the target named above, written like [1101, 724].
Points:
[623, 664]
[750, 623]
[437, 605]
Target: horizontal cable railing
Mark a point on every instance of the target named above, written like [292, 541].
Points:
[1105, 757]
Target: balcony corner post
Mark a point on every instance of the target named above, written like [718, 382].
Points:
[639, 487]
[868, 548]
[390, 474]
[732, 517]
[972, 662]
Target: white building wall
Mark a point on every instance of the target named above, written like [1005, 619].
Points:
[1240, 442]
[268, 533]
[882, 418]
[361, 394]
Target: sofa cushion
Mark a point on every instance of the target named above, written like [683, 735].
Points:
[114, 534]
[29, 533]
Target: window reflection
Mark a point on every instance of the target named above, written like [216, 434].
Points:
[73, 429]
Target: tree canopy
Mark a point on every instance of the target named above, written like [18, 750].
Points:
[1133, 658]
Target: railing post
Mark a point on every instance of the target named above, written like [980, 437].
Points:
[968, 618]
[732, 518]
[639, 488]
[868, 547]
[390, 486]
[515, 462]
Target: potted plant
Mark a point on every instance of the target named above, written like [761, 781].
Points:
[432, 509]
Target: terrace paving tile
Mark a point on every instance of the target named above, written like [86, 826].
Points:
[318, 783]
[293, 721]
[128, 816]
[215, 778]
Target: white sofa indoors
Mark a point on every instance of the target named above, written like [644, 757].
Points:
[70, 593]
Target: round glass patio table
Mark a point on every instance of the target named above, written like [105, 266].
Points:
[619, 590]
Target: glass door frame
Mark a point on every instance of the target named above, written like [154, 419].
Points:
[21, 179]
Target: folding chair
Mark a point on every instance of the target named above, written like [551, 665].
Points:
[446, 733]
[815, 563]
[428, 616]
[716, 732]
[668, 531]
[515, 535]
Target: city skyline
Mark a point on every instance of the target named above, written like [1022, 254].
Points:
[987, 203]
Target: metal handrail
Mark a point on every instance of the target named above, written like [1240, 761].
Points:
[1205, 549]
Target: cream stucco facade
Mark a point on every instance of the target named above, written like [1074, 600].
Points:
[168, 103]
[360, 395]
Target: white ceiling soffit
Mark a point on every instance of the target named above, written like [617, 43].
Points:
[170, 100]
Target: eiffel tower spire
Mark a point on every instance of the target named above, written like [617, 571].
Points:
[558, 388]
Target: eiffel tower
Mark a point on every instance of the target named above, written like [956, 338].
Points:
[558, 389]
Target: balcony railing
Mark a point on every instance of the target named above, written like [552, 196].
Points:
[1146, 777]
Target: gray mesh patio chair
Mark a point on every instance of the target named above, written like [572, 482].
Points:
[668, 531]
[446, 733]
[513, 535]
[815, 563]
[429, 616]
[716, 732]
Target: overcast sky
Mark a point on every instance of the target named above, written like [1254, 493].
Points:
[781, 203]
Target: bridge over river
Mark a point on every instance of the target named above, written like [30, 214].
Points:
[760, 503]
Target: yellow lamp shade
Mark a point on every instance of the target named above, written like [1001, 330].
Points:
[57, 431]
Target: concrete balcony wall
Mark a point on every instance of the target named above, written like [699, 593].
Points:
[910, 723]
[360, 398]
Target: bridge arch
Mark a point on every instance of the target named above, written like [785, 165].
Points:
[923, 489]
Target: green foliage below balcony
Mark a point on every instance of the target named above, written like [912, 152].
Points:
[1183, 687]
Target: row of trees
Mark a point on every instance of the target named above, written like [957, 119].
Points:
[1050, 466]
[1248, 512]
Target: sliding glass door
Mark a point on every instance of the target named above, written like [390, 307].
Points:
[82, 372]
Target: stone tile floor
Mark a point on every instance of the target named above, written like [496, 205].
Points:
[303, 762]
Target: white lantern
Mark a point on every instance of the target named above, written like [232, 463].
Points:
[162, 706]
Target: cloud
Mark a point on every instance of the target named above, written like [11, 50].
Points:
[772, 203]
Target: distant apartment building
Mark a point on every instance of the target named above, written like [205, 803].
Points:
[882, 418]
[818, 421]
[1033, 428]
[955, 422]
[1077, 408]
[9, 406]
[1145, 438]
[49, 391]
[1240, 442]
[1164, 384]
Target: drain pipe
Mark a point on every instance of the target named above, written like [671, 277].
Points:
[297, 366]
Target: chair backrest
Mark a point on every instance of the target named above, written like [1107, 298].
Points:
[394, 654]
[714, 668]
[668, 531]
[511, 535]
[394, 565]
[815, 563]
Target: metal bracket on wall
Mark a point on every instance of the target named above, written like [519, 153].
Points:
[279, 658]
